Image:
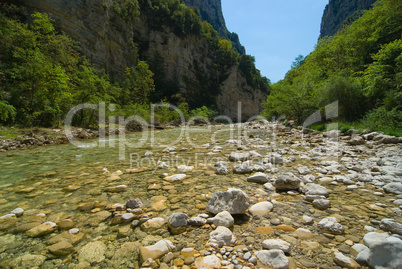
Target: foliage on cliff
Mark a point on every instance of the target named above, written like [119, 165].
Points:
[361, 67]
[43, 74]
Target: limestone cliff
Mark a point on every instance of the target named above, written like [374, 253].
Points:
[211, 11]
[338, 12]
[182, 63]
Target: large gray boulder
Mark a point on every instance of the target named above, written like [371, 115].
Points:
[391, 225]
[234, 201]
[331, 225]
[223, 219]
[177, 222]
[315, 189]
[287, 182]
[259, 177]
[393, 187]
[274, 258]
[222, 236]
[386, 255]
[239, 156]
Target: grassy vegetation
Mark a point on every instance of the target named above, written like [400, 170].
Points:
[343, 127]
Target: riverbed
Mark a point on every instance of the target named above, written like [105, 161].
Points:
[80, 191]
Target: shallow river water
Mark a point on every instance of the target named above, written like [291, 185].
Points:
[64, 182]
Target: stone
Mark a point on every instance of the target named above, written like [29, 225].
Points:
[321, 204]
[128, 252]
[259, 177]
[274, 258]
[307, 220]
[261, 209]
[185, 168]
[239, 156]
[125, 231]
[99, 217]
[43, 229]
[197, 221]
[222, 236]
[211, 261]
[153, 224]
[357, 248]
[393, 187]
[276, 244]
[188, 252]
[315, 189]
[372, 238]
[243, 168]
[157, 250]
[387, 139]
[177, 222]
[287, 182]
[265, 230]
[222, 171]
[18, 212]
[304, 233]
[65, 224]
[362, 256]
[234, 201]
[386, 255]
[391, 225]
[177, 177]
[285, 228]
[344, 261]
[223, 218]
[29, 261]
[357, 140]
[61, 249]
[331, 225]
[93, 252]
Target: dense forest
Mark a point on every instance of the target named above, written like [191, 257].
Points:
[360, 67]
[43, 74]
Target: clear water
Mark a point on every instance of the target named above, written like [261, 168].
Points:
[59, 179]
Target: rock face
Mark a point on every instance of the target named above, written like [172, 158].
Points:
[338, 12]
[182, 62]
[233, 200]
[211, 11]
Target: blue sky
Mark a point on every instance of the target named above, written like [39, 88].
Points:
[275, 32]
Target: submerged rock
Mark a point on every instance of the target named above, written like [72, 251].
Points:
[134, 203]
[92, 253]
[45, 228]
[157, 250]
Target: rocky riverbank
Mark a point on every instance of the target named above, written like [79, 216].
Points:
[275, 197]
[38, 137]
